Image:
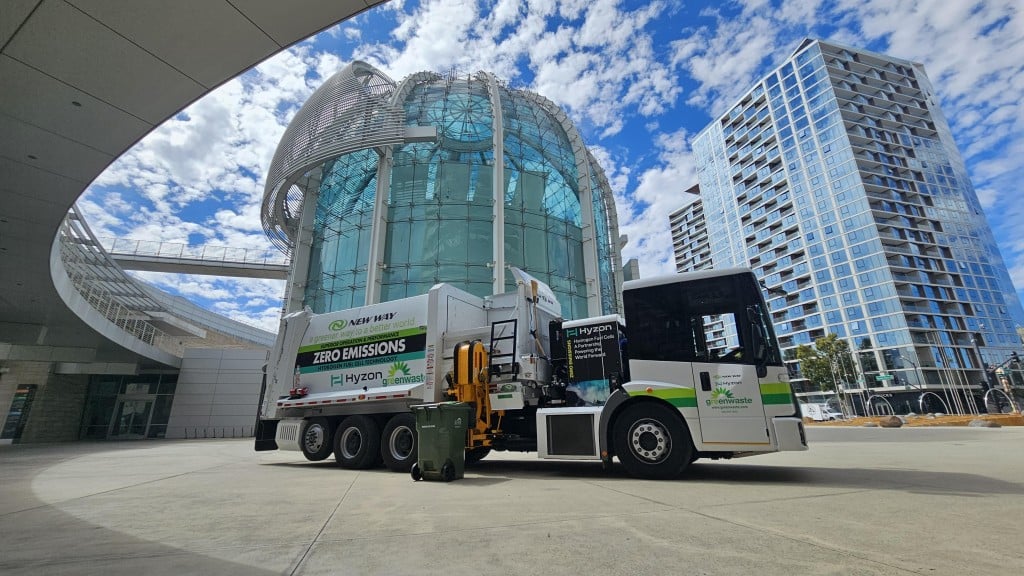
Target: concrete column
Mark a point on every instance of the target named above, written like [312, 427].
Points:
[498, 173]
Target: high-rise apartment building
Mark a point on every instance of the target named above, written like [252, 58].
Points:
[837, 180]
[690, 234]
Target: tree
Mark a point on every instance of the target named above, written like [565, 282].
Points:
[825, 363]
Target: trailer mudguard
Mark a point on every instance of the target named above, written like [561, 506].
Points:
[266, 432]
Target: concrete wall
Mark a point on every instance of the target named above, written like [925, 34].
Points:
[56, 412]
[15, 374]
[217, 394]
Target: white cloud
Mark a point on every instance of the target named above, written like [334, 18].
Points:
[660, 190]
[600, 64]
[622, 70]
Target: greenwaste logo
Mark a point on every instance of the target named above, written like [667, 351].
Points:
[720, 393]
[400, 373]
[722, 396]
[338, 325]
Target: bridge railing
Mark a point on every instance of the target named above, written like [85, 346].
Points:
[129, 247]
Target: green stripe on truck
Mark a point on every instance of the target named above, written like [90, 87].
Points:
[678, 397]
[775, 398]
[776, 393]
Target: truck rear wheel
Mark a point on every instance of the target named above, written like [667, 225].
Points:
[357, 442]
[652, 442]
[316, 439]
[398, 442]
[474, 455]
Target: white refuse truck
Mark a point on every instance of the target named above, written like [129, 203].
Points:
[692, 369]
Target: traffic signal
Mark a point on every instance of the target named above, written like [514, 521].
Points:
[1014, 358]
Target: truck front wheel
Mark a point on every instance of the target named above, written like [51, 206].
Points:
[316, 439]
[357, 442]
[652, 442]
[398, 443]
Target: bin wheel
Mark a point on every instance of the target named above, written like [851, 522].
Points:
[415, 472]
[448, 471]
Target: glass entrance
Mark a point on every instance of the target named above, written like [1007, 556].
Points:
[131, 418]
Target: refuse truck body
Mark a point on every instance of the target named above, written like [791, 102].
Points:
[692, 369]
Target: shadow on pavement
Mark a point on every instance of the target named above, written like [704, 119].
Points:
[934, 482]
[489, 472]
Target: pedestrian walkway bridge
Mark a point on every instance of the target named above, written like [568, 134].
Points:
[180, 258]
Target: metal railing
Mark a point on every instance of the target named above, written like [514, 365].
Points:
[196, 432]
[105, 286]
[253, 256]
[91, 271]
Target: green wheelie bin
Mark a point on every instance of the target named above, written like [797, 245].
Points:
[441, 430]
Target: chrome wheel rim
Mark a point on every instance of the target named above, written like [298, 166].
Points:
[650, 441]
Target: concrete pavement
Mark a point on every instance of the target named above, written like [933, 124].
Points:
[862, 501]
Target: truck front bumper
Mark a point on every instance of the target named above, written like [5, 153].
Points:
[788, 433]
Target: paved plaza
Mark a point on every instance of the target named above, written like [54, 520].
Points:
[861, 501]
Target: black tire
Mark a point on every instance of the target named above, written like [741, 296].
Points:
[474, 455]
[357, 442]
[447, 471]
[415, 472]
[652, 441]
[316, 439]
[398, 445]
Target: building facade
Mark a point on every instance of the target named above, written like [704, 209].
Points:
[837, 180]
[690, 245]
[381, 189]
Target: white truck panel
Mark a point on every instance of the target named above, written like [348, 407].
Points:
[569, 433]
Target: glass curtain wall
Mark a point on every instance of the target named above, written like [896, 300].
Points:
[543, 220]
[342, 233]
[439, 211]
[440, 206]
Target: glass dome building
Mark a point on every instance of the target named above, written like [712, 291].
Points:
[381, 189]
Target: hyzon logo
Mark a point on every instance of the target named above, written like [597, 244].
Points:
[400, 373]
[338, 325]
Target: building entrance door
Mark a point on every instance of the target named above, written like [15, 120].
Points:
[131, 418]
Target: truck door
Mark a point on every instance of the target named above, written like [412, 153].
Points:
[728, 390]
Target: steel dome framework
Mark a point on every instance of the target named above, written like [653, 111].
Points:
[390, 187]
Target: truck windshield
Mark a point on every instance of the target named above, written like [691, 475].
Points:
[705, 320]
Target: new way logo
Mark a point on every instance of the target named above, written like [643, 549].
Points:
[338, 325]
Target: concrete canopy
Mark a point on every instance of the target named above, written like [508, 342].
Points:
[80, 82]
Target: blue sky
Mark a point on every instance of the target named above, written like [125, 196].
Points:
[638, 78]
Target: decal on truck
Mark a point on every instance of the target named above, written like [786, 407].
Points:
[366, 349]
[724, 398]
[388, 347]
